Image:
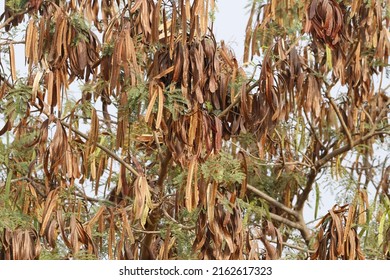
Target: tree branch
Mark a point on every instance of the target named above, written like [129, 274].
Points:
[285, 221]
[305, 193]
[272, 201]
[169, 217]
[300, 224]
[7, 42]
[373, 132]
[292, 246]
[345, 148]
[8, 21]
[228, 108]
[302, 198]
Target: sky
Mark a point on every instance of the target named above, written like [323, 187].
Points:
[230, 24]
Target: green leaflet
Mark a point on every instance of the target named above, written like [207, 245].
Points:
[7, 190]
[381, 229]
[329, 57]
[316, 207]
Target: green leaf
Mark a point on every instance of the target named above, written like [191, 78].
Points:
[329, 57]
[381, 229]
[317, 189]
[7, 190]
[223, 168]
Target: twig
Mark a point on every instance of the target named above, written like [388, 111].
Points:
[285, 221]
[281, 145]
[386, 88]
[272, 201]
[8, 21]
[7, 42]
[169, 217]
[349, 59]
[147, 231]
[228, 108]
[295, 247]
[6, 81]
[340, 117]
[313, 130]
[373, 132]
[32, 182]
[294, 163]
[368, 116]
[106, 150]
[345, 148]
[305, 193]
[82, 194]
[157, 142]
[299, 224]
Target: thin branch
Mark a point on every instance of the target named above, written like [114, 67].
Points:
[7, 42]
[382, 181]
[346, 148]
[106, 150]
[169, 217]
[368, 116]
[282, 146]
[285, 221]
[155, 136]
[305, 193]
[340, 117]
[272, 201]
[5, 81]
[228, 108]
[8, 21]
[147, 231]
[313, 130]
[306, 250]
[33, 183]
[386, 88]
[293, 163]
[373, 132]
[81, 194]
[300, 224]
[349, 58]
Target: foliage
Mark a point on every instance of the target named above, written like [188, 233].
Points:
[223, 169]
[134, 134]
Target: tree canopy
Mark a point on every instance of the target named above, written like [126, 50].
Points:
[132, 133]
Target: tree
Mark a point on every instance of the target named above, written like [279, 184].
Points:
[169, 149]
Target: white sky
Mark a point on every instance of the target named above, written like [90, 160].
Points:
[230, 24]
